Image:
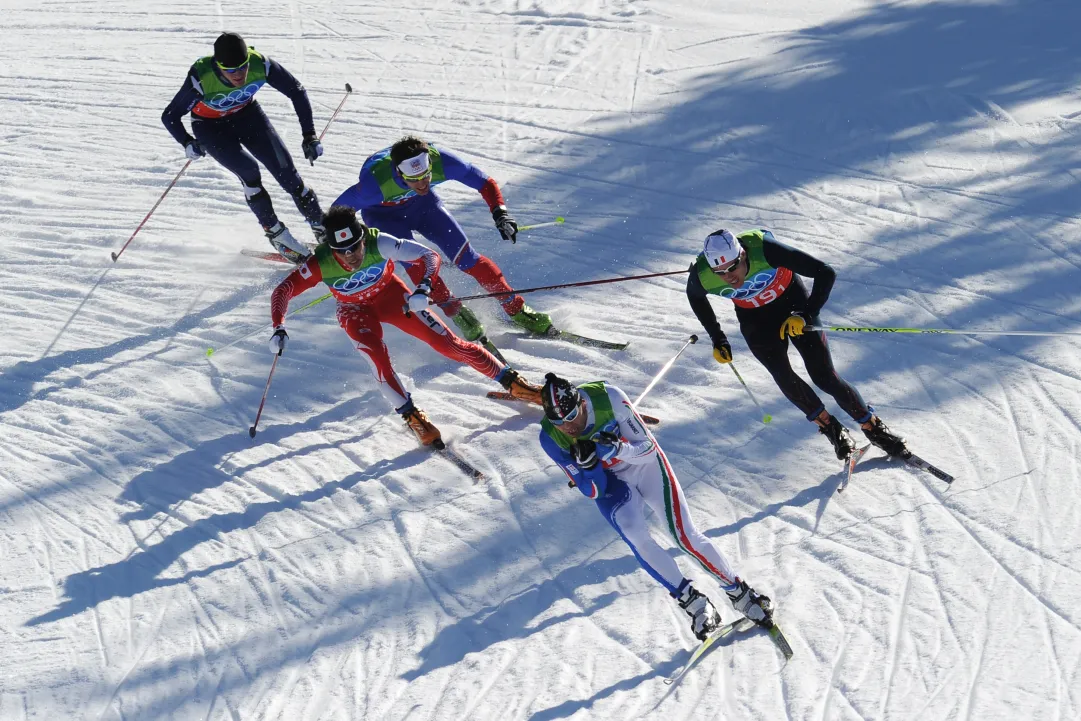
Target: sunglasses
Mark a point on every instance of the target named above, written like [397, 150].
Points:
[417, 178]
[567, 418]
[728, 268]
[351, 249]
[239, 68]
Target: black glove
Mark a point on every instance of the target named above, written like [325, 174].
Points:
[722, 349]
[193, 149]
[505, 224]
[584, 453]
[607, 438]
[608, 445]
[312, 147]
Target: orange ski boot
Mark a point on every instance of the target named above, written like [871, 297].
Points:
[520, 388]
[422, 428]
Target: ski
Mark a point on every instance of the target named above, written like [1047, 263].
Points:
[451, 455]
[557, 334]
[850, 465]
[743, 624]
[265, 255]
[505, 396]
[917, 462]
[779, 640]
[270, 255]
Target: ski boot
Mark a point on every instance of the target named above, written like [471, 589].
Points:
[520, 388]
[754, 606]
[532, 321]
[471, 328]
[843, 445]
[881, 436]
[283, 241]
[422, 428]
[704, 616]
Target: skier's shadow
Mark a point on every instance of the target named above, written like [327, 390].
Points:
[822, 493]
[568, 709]
[199, 469]
[141, 570]
[512, 618]
[17, 382]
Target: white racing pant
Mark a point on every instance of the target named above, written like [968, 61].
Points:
[655, 484]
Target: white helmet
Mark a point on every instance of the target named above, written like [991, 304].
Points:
[721, 248]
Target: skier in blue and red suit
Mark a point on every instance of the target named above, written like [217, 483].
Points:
[395, 193]
[228, 123]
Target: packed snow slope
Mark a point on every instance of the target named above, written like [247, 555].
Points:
[159, 564]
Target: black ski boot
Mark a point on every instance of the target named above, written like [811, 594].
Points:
[843, 445]
[881, 436]
[755, 606]
[704, 617]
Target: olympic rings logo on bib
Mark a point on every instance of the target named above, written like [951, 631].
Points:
[361, 280]
[764, 287]
[234, 98]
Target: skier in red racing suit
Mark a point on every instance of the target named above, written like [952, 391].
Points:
[357, 264]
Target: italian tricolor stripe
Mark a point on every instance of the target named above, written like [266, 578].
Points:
[672, 505]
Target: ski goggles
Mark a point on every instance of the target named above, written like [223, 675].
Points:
[239, 68]
[569, 418]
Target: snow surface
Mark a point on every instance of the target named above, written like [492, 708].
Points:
[158, 564]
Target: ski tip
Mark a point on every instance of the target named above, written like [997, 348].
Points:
[560, 219]
[209, 352]
[767, 419]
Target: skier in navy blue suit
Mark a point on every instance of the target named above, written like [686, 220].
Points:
[228, 123]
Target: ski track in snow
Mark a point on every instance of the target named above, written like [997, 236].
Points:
[160, 564]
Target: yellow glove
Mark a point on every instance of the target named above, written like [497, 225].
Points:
[793, 325]
[723, 352]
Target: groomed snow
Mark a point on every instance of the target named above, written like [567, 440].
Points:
[159, 564]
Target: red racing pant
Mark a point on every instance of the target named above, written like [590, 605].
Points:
[364, 324]
[485, 272]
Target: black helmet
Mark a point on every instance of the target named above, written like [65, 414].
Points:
[343, 229]
[230, 50]
[559, 397]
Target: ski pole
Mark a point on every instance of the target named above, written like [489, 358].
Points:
[664, 369]
[251, 431]
[859, 329]
[558, 221]
[561, 285]
[167, 189]
[766, 417]
[348, 90]
[230, 344]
